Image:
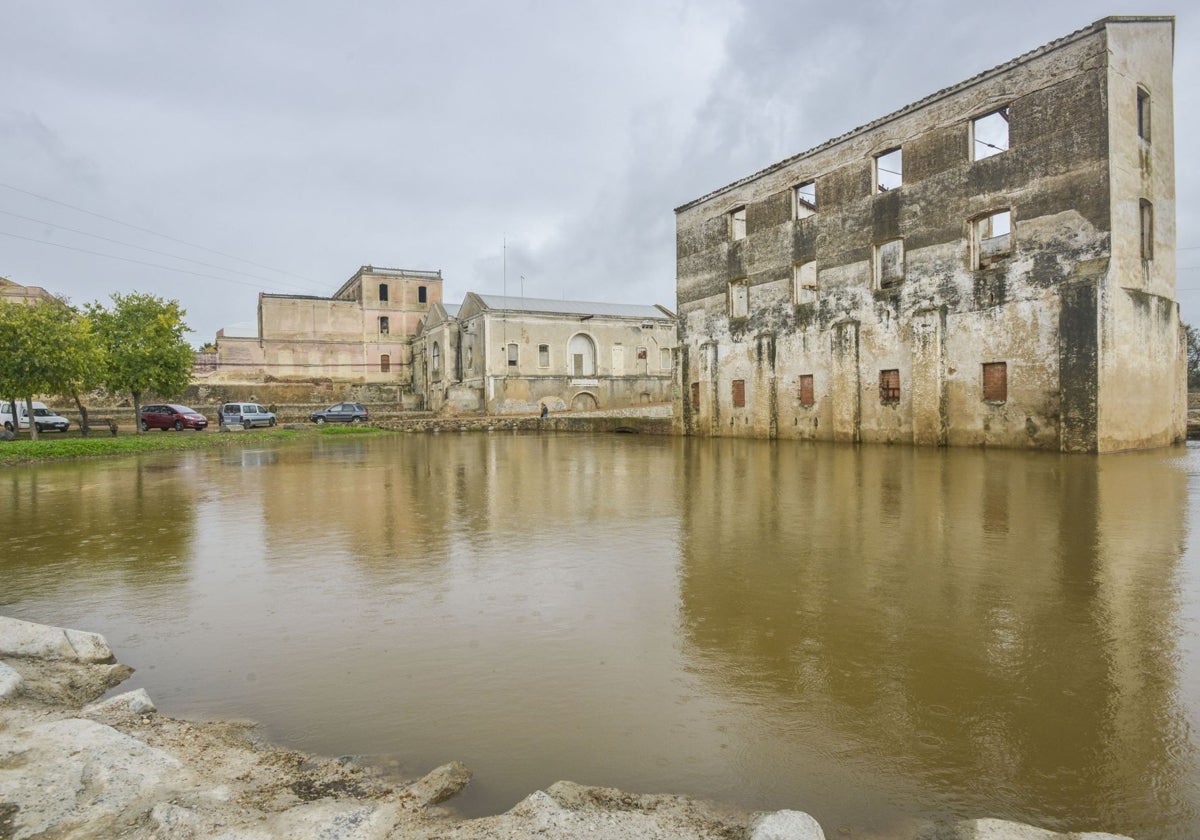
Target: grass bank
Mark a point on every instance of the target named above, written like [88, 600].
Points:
[51, 448]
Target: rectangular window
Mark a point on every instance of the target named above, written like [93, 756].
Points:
[383, 325]
[737, 223]
[989, 134]
[1143, 113]
[804, 282]
[889, 170]
[695, 396]
[664, 358]
[995, 382]
[889, 264]
[383, 292]
[385, 363]
[422, 294]
[512, 355]
[889, 387]
[641, 354]
[1147, 229]
[991, 239]
[804, 197]
[739, 298]
[739, 393]
[543, 355]
[806, 390]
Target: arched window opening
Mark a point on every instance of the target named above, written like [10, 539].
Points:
[582, 351]
[436, 361]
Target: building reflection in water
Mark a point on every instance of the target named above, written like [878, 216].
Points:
[986, 632]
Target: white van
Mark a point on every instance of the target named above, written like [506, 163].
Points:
[45, 419]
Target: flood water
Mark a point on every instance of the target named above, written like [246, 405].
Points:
[875, 635]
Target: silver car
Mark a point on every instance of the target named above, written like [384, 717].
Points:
[246, 415]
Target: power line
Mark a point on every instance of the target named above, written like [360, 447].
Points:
[153, 232]
[139, 247]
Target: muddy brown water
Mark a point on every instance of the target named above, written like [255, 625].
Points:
[875, 635]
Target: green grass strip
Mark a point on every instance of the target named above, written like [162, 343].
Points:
[49, 448]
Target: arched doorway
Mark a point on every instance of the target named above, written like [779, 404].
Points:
[581, 350]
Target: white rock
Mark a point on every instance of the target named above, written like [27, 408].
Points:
[1098, 835]
[440, 784]
[70, 773]
[40, 641]
[332, 820]
[992, 829]
[176, 822]
[10, 682]
[137, 701]
[786, 825]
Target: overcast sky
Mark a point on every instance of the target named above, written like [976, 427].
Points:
[279, 146]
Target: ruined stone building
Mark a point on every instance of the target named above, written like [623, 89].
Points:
[991, 265]
[362, 333]
[11, 292]
[500, 354]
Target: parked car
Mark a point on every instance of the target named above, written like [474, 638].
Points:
[171, 416]
[44, 418]
[347, 412]
[246, 415]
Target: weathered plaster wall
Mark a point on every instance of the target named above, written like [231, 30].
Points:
[1038, 310]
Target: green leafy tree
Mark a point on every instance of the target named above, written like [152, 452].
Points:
[142, 340]
[46, 346]
[1193, 357]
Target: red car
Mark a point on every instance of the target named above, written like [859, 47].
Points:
[177, 417]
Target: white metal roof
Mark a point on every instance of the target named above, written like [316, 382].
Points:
[572, 307]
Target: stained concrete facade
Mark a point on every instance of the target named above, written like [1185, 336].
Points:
[362, 333]
[11, 292]
[510, 355]
[992, 265]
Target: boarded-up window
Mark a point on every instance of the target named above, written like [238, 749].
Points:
[739, 393]
[889, 386]
[739, 298]
[544, 355]
[1146, 210]
[995, 382]
[695, 396]
[737, 223]
[889, 264]
[806, 390]
[992, 238]
[385, 363]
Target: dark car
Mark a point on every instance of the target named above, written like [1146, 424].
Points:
[171, 416]
[341, 413]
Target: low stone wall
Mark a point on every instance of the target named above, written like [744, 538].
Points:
[560, 423]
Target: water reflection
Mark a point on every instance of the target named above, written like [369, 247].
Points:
[872, 634]
[995, 629]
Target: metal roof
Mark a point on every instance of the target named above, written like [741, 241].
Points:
[573, 307]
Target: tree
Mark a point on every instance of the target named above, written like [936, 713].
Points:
[46, 347]
[142, 340]
[1193, 357]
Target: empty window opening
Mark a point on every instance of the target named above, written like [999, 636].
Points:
[543, 355]
[804, 282]
[805, 199]
[739, 298]
[422, 294]
[1147, 229]
[383, 325]
[806, 390]
[512, 355]
[435, 364]
[989, 134]
[1143, 114]
[739, 393]
[992, 238]
[737, 223]
[889, 170]
[995, 382]
[695, 396]
[385, 363]
[889, 264]
[583, 355]
[383, 292]
[889, 386]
